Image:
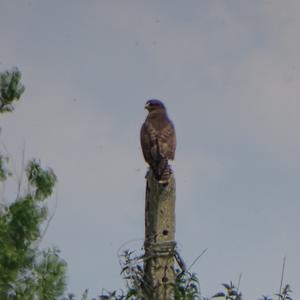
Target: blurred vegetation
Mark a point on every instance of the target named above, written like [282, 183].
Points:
[11, 89]
[187, 285]
[26, 272]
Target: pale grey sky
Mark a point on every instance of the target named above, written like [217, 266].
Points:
[229, 74]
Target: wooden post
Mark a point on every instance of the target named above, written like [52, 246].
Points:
[159, 273]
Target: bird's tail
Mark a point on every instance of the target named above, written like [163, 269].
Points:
[164, 172]
[165, 176]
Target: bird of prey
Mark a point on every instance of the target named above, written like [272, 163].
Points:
[158, 140]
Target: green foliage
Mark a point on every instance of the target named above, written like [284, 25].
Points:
[26, 273]
[285, 293]
[133, 274]
[41, 180]
[42, 280]
[186, 286]
[231, 293]
[4, 172]
[50, 283]
[11, 89]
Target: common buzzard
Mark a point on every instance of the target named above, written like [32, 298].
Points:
[158, 140]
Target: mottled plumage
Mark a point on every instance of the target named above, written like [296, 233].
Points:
[158, 140]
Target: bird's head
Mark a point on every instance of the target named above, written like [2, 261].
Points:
[155, 106]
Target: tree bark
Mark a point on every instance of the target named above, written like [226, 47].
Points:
[159, 273]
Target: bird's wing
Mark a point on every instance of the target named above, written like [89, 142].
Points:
[167, 141]
[146, 143]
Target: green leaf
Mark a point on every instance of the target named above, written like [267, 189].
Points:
[11, 89]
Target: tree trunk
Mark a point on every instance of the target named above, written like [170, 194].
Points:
[159, 274]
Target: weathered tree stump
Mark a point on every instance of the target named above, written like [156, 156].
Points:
[159, 273]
